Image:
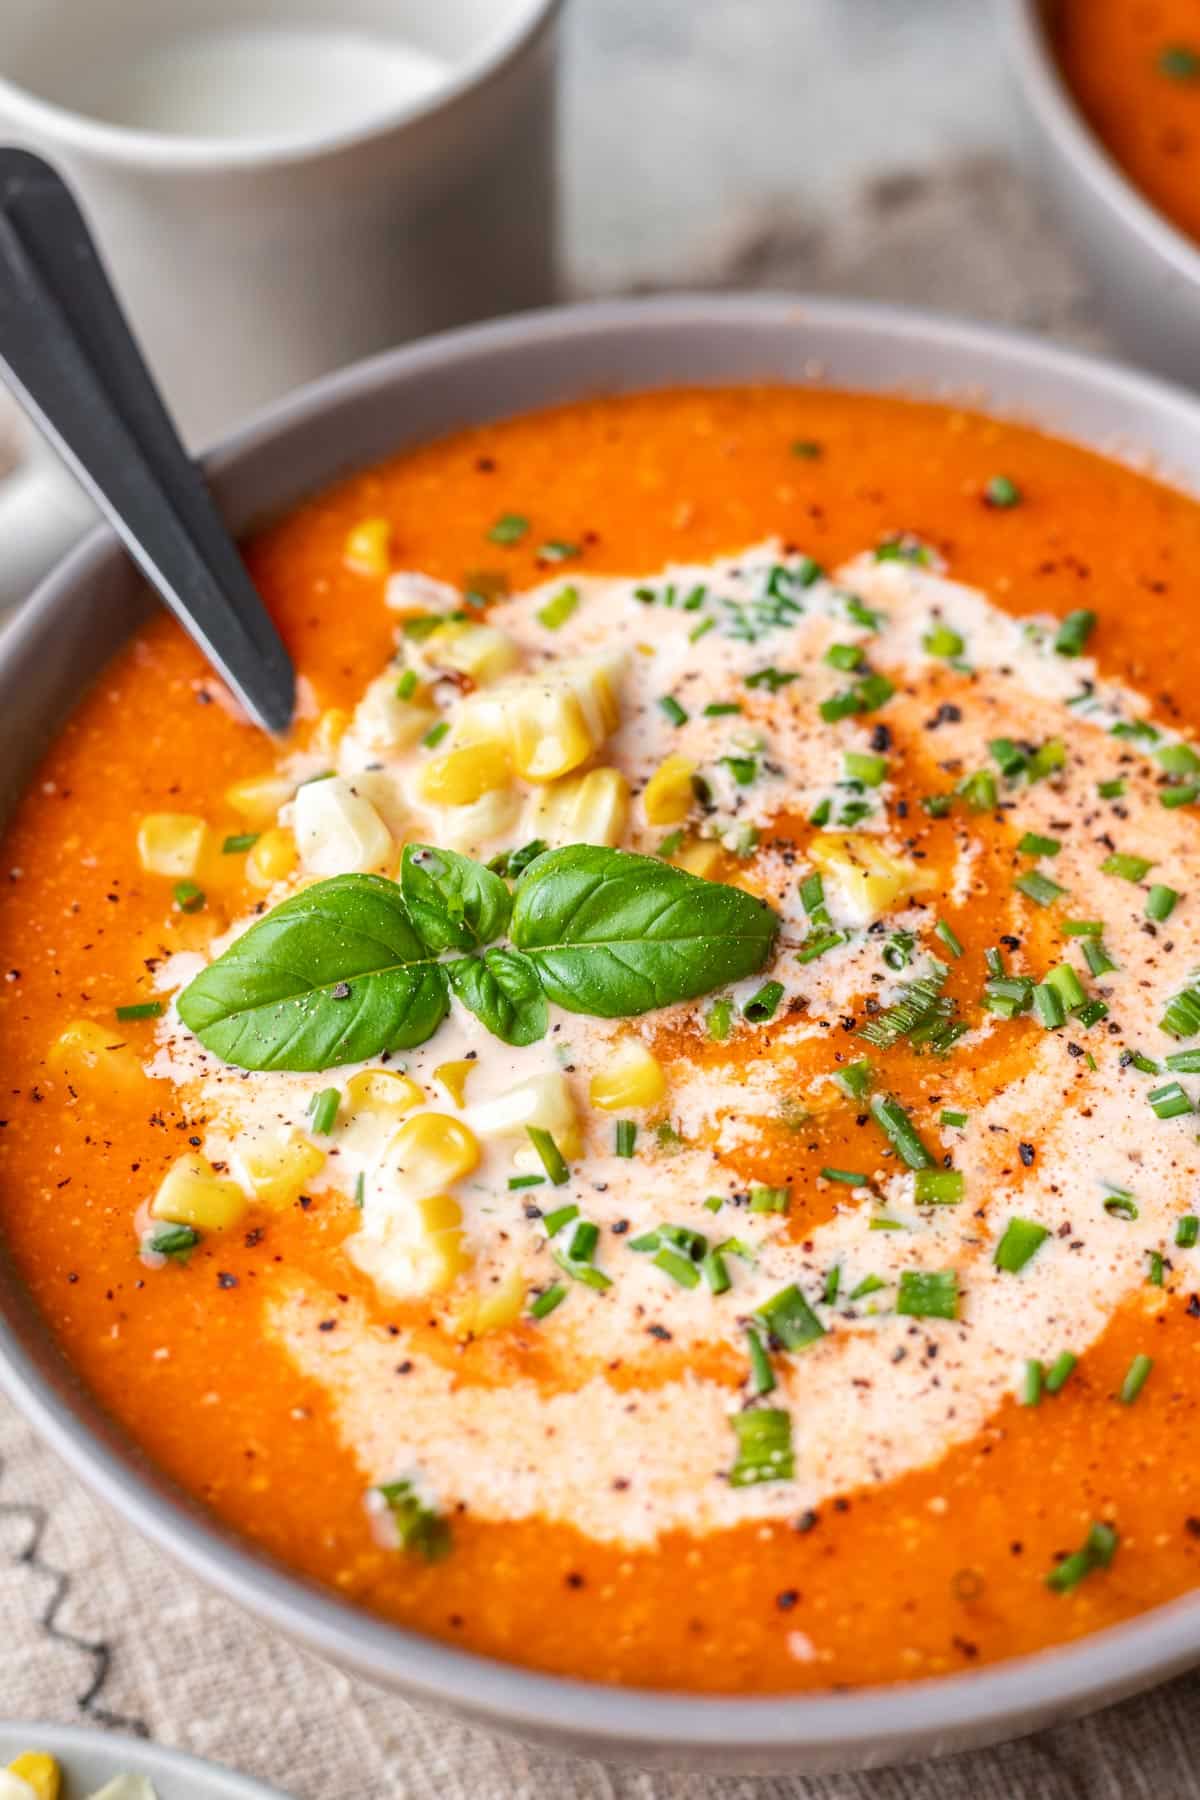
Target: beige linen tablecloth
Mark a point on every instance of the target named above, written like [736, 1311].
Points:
[95, 1623]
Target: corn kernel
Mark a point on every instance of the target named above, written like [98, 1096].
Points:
[462, 776]
[331, 728]
[867, 879]
[172, 843]
[580, 809]
[631, 1080]
[469, 828]
[368, 547]
[39, 1772]
[192, 1193]
[95, 1058]
[483, 652]
[429, 1153]
[495, 1310]
[702, 856]
[279, 1173]
[668, 796]
[386, 722]
[272, 858]
[259, 799]
[338, 830]
[552, 721]
[382, 1091]
[420, 1251]
[543, 1100]
[453, 1077]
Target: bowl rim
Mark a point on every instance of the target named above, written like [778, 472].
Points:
[617, 1720]
[134, 1755]
[1041, 81]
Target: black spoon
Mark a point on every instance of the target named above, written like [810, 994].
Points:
[68, 353]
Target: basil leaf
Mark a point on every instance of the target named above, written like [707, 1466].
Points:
[615, 934]
[336, 974]
[455, 904]
[501, 988]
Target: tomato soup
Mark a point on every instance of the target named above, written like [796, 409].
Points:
[1134, 68]
[655, 1137]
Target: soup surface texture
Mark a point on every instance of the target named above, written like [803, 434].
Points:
[1134, 68]
[768, 1265]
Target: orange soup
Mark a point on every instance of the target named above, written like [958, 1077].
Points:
[655, 1137]
[1134, 68]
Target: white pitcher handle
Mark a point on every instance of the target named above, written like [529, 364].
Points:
[43, 513]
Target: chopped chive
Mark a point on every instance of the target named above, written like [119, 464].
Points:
[551, 1156]
[1154, 1275]
[1161, 902]
[360, 1190]
[1135, 1378]
[844, 656]
[671, 707]
[509, 528]
[948, 938]
[516, 1182]
[714, 1271]
[241, 840]
[764, 1447]
[678, 1266]
[833, 1284]
[1121, 1204]
[881, 1222]
[938, 806]
[772, 679]
[1177, 759]
[897, 952]
[323, 1111]
[855, 1079]
[762, 1006]
[1002, 492]
[900, 1131]
[543, 1304]
[584, 1239]
[1187, 1232]
[769, 1199]
[846, 1176]
[1181, 1062]
[762, 1376]
[435, 734]
[1060, 1371]
[1008, 995]
[815, 947]
[870, 1284]
[920, 1003]
[1095, 955]
[188, 897]
[720, 709]
[1170, 1101]
[583, 1273]
[1033, 844]
[789, 1319]
[557, 550]
[1182, 1017]
[1074, 632]
[559, 608]
[1067, 985]
[870, 770]
[1013, 761]
[1100, 1546]
[418, 1526]
[1090, 1013]
[720, 1020]
[1179, 796]
[744, 769]
[942, 640]
[172, 1241]
[949, 1117]
[1021, 1240]
[143, 1009]
[1039, 888]
[1047, 758]
[1111, 790]
[938, 1187]
[626, 1137]
[1129, 868]
[1146, 1065]
[670, 844]
[1047, 1004]
[406, 687]
[979, 791]
[928, 1294]
[807, 449]
[1032, 1382]
[714, 1203]
[1082, 928]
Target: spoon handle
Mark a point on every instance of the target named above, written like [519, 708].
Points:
[67, 351]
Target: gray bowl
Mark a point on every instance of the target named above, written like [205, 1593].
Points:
[1146, 273]
[87, 608]
[90, 1758]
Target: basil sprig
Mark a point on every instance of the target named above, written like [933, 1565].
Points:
[351, 967]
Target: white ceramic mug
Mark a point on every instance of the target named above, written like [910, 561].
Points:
[394, 202]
